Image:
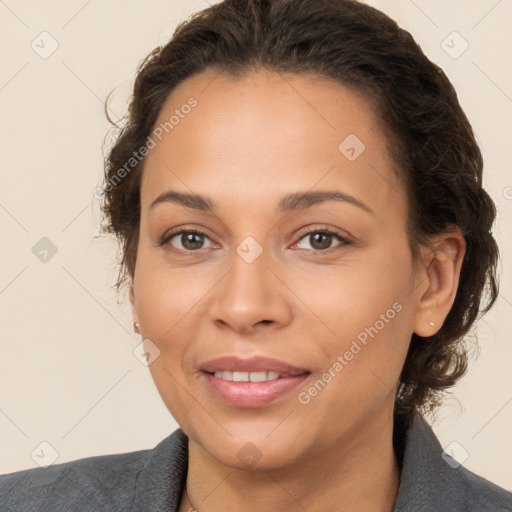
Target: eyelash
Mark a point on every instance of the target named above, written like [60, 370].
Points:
[324, 231]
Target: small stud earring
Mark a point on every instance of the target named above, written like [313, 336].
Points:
[136, 326]
[431, 323]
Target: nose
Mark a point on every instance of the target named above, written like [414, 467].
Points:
[251, 296]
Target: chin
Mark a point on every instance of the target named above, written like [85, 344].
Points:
[254, 456]
[250, 446]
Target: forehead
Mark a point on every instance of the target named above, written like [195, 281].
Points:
[266, 134]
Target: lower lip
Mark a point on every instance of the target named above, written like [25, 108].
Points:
[252, 394]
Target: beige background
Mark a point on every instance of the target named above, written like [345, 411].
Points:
[68, 375]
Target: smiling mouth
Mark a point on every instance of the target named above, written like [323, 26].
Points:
[250, 390]
[250, 382]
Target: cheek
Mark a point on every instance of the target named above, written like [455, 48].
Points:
[165, 306]
[360, 293]
[370, 318]
[166, 296]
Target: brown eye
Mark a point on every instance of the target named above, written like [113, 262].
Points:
[186, 240]
[321, 240]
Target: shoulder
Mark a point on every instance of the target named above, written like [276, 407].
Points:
[93, 483]
[480, 494]
[104, 482]
[432, 480]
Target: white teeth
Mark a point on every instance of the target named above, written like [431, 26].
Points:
[258, 376]
[224, 375]
[247, 376]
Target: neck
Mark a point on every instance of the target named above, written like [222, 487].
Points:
[360, 473]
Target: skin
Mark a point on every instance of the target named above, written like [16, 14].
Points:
[245, 145]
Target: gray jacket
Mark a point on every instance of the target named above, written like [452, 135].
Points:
[153, 481]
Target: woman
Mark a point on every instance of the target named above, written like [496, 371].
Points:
[306, 241]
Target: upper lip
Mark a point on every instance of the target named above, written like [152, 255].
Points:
[251, 364]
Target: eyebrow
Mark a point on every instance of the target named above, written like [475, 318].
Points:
[289, 203]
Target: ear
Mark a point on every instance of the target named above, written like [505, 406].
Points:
[132, 300]
[439, 280]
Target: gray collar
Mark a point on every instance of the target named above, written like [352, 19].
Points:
[428, 483]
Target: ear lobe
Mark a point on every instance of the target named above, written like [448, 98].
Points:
[442, 269]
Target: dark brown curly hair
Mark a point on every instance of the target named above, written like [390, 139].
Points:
[429, 136]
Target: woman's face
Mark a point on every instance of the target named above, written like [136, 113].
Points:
[278, 160]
